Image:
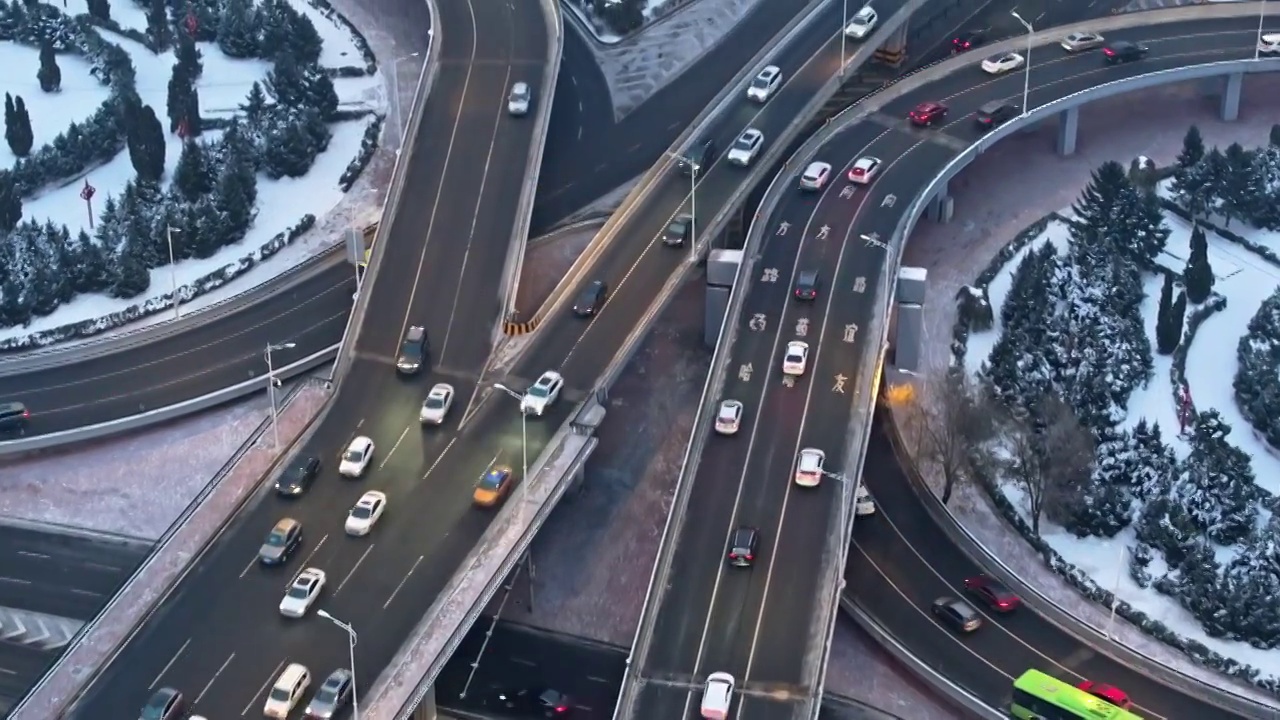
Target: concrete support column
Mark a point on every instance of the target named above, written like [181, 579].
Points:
[1231, 97]
[942, 205]
[894, 50]
[426, 709]
[1068, 127]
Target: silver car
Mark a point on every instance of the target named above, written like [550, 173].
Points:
[332, 696]
[1081, 41]
[519, 100]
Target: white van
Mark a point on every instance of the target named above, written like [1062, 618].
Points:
[863, 504]
[288, 691]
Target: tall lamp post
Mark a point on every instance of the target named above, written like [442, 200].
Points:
[873, 240]
[173, 269]
[395, 92]
[694, 171]
[1026, 76]
[271, 388]
[351, 651]
[1262, 15]
[844, 25]
[524, 437]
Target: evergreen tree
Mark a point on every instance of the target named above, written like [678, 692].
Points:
[100, 9]
[93, 272]
[145, 141]
[1192, 149]
[9, 120]
[1247, 609]
[24, 136]
[10, 203]
[1214, 167]
[1178, 317]
[1265, 213]
[49, 75]
[1215, 482]
[238, 29]
[1105, 503]
[1197, 277]
[132, 276]
[1274, 137]
[159, 31]
[1018, 371]
[318, 92]
[192, 176]
[193, 125]
[292, 146]
[285, 82]
[188, 56]
[177, 101]
[1101, 202]
[1166, 341]
[237, 191]
[285, 30]
[255, 104]
[1257, 356]
[622, 16]
[1239, 189]
[1152, 463]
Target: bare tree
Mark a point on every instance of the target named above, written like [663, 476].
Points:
[1049, 458]
[952, 424]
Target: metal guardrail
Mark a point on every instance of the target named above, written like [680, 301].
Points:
[89, 628]
[514, 263]
[169, 412]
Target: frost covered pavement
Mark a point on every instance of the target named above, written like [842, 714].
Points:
[152, 478]
[1033, 182]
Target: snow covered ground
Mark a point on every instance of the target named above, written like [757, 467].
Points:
[1246, 280]
[223, 86]
[653, 9]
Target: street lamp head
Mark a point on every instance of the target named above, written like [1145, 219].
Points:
[288, 346]
[324, 614]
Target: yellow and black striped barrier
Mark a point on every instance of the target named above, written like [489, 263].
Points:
[519, 328]
[892, 58]
[370, 232]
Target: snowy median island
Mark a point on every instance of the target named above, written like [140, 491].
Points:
[1120, 398]
[210, 135]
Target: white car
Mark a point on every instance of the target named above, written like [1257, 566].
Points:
[861, 24]
[365, 513]
[863, 504]
[519, 100]
[765, 84]
[356, 459]
[436, 406]
[796, 357]
[1269, 44]
[542, 393]
[302, 593]
[809, 467]
[815, 176]
[1081, 41]
[1003, 63]
[717, 696]
[863, 170]
[746, 147]
[729, 417]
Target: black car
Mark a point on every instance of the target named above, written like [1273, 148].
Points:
[807, 285]
[538, 702]
[413, 350]
[968, 40]
[591, 299]
[743, 544]
[994, 114]
[164, 704]
[957, 614]
[703, 155]
[678, 231]
[281, 542]
[13, 419]
[297, 478]
[1123, 52]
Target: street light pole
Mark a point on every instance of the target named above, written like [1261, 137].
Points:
[524, 437]
[1262, 14]
[395, 92]
[271, 389]
[351, 652]
[873, 240]
[1026, 76]
[694, 170]
[844, 24]
[173, 270]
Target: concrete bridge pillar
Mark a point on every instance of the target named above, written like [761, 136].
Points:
[1068, 128]
[426, 709]
[1231, 97]
[894, 50]
[942, 205]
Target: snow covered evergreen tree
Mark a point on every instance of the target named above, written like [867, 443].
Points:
[285, 81]
[318, 91]
[9, 120]
[177, 102]
[1105, 505]
[1178, 317]
[1166, 335]
[159, 31]
[133, 277]
[10, 203]
[188, 56]
[49, 75]
[1239, 189]
[100, 9]
[192, 126]
[255, 105]
[1256, 384]
[23, 136]
[286, 31]
[146, 144]
[1215, 482]
[91, 272]
[193, 177]
[1197, 276]
[1266, 203]
[1192, 150]
[237, 189]
[238, 29]
[1274, 137]
[1153, 461]
[1018, 371]
[1247, 595]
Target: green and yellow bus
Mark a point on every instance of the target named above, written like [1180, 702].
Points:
[1037, 696]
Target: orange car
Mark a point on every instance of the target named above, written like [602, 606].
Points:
[493, 486]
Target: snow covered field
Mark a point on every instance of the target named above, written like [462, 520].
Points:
[1245, 279]
[653, 9]
[223, 87]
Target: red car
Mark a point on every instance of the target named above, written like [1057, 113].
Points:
[1110, 693]
[992, 593]
[967, 40]
[928, 113]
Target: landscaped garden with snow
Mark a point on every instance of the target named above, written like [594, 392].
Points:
[159, 143]
[1125, 354]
